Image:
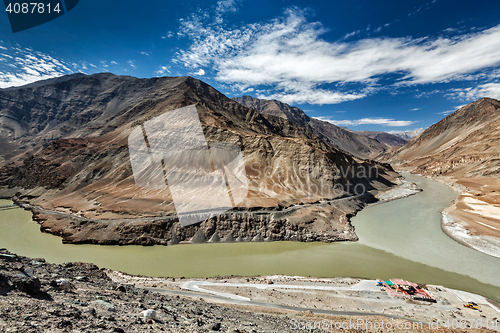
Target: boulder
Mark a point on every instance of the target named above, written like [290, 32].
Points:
[30, 285]
[62, 284]
[149, 313]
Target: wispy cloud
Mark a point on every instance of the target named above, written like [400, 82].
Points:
[162, 70]
[369, 121]
[422, 8]
[20, 66]
[224, 6]
[491, 89]
[415, 109]
[284, 55]
[445, 113]
[311, 95]
[144, 53]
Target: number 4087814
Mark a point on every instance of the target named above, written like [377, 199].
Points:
[31, 7]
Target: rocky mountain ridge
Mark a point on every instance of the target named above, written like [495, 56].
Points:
[464, 141]
[352, 142]
[387, 139]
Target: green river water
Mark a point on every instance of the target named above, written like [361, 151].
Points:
[398, 239]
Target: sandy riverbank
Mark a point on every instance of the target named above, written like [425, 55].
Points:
[473, 219]
[403, 190]
[344, 295]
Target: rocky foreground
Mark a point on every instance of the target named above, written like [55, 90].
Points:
[36, 296]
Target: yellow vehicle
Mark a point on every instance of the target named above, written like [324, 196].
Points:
[472, 305]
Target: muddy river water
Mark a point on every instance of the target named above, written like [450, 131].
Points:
[398, 239]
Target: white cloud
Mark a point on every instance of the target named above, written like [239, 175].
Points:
[369, 121]
[491, 90]
[162, 70]
[113, 63]
[445, 113]
[131, 63]
[199, 72]
[415, 109]
[224, 6]
[313, 96]
[144, 53]
[408, 134]
[23, 65]
[288, 55]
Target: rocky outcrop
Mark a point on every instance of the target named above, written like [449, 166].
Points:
[325, 222]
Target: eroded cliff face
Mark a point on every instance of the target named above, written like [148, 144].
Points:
[325, 222]
[72, 166]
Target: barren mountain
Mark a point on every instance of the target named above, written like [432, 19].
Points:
[351, 142]
[465, 142]
[462, 149]
[387, 139]
[66, 157]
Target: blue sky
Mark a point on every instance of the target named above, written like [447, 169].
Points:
[367, 65]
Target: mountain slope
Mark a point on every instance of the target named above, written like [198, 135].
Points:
[463, 150]
[464, 142]
[349, 141]
[66, 150]
[387, 139]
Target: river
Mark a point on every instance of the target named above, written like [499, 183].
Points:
[398, 239]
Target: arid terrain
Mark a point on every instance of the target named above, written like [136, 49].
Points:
[36, 296]
[66, 158]
[462, 151]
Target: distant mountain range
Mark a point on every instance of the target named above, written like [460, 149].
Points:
[409, 134]
[387, 139]
[364, 145]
